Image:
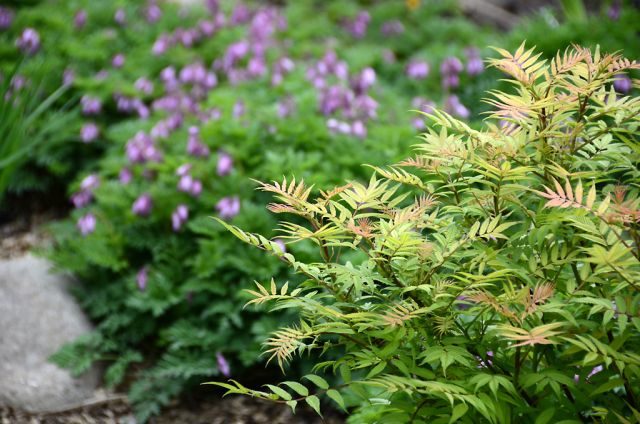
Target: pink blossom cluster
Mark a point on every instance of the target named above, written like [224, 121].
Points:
[342, 97]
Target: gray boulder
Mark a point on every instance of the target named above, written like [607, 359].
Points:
[37, 316]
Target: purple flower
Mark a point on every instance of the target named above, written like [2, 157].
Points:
[90, 182]
[240, 15]
[81, 199]
[68, 77]
[168, 76]
[364, 107]
[234, 53]
[212, 114]
[141, 148]
[210, 80]
[464, 303]
[120, 17]
[144, 85]
[358, 129]
[90, 105]
[89, 132]
[614, 10]
[450, 81]
[142, 277]
[169, 103]
[86, 224]
[257, 66]
[391, 28]
[238, 109]
[388, 56]
[207, 28]
[223, 365]
[29, 41]
[196, 188]
[18, 82]
[453, 106]
[363, 81]
[152, 13]
[190, 185]
[284, 65]
[183, 169]
[142, 205]
[161, 45]
[193, 74]
[281, 245]
[423, 105]
[213, 6]
[118, 61]
[182, 212]
[417, 69]
[6, 18]
[622, 83]
[160, 130]
[474, 61]
[179, 217]
[358, 26]
[101, 75]
[80, 19]
[225, 164]
[125, 176]
[488, 362]
[450, 69]
[195, 147]
[595, 371]
[286, 107]
[187, 37]
[334, 98]
[228, 207]
[339, 126]
[451, 65]
[185, 183]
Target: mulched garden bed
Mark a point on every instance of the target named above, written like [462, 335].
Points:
[230, 410]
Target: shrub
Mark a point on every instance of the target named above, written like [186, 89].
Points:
[492, 276]
[160, 280]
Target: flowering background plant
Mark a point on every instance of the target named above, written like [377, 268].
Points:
[492, 276]
[171, 112]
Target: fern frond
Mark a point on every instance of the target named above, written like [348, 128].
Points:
[400, 176]
[398, 314]
[485, 298]
[284, 343]
[421, 162]
[568, 197]
[570, 58]
[538, 335]
[521, 65]
[263, 295]
[292, 193]
[541, 293]
[328, 195]
[623, 64]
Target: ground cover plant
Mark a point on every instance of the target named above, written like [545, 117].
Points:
[493, 276]
[252, 98]
[175, 109]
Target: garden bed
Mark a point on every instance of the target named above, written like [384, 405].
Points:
[168, 116]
